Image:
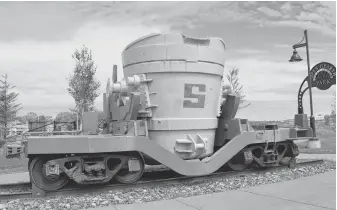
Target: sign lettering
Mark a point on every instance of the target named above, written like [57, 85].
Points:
[323, 75]
[196, 100]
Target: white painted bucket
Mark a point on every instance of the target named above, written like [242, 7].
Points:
[184, 92]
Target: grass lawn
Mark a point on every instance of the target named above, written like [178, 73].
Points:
[12, 165]
[328, 142]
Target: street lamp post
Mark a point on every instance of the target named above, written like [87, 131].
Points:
[295, 58]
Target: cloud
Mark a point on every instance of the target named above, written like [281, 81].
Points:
[67, 17]
[270, 12]
[269, 80]
[283, 46]
[314, 49]
[325, 29]
[291, 89]
[272, 87]
[281, 110]
[63, 19]
[286, 7]
[29, 20]
[36, 53]
[39, 69]
[251, 51]
[318, 51]
[306, 15]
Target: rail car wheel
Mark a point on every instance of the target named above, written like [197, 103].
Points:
[288, 161]
[125, 176]
[39, 178]
[284, 161]
[292, 163]
[237, 163]
[237, 166]
[29, 162]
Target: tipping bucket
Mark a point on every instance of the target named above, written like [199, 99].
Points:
[184, 92]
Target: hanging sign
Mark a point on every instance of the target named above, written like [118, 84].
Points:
[323, 75]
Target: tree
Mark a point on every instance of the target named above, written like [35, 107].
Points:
[233, 79]
[22, 119]
[32, 117]
[42, 118]
[83, 86]
[8, 104]
[333, 105]
[330, 120]
[333, 113]
[66, 118]
[327, 120]
[48, 118]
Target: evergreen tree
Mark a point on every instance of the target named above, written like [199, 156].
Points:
[8, 105]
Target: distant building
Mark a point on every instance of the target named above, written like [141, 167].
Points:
[21, 128]
[319, 117]
[50, 128]
[14, 128]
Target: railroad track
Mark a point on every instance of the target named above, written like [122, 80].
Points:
[150, 179]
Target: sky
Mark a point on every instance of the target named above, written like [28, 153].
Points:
[37, 40]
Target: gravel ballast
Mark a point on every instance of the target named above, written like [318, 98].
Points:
[168, 191]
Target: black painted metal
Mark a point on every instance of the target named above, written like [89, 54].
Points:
[300, 97]
[309, 80]
[312, 118]
[228, 111]
[323, 80]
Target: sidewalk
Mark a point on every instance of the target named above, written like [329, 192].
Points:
[309, 193]
[317, 156]
[14, 178]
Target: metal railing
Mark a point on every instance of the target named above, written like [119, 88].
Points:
[55, 131]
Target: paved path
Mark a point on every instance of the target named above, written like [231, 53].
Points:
[310, 193]
[317, 156]
[14, 178]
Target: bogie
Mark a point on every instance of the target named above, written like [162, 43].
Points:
[264, 156]
[52, 173]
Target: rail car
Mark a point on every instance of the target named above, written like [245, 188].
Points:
[168, 109]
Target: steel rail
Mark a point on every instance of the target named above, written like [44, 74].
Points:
[18, 185]
[90, 189]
